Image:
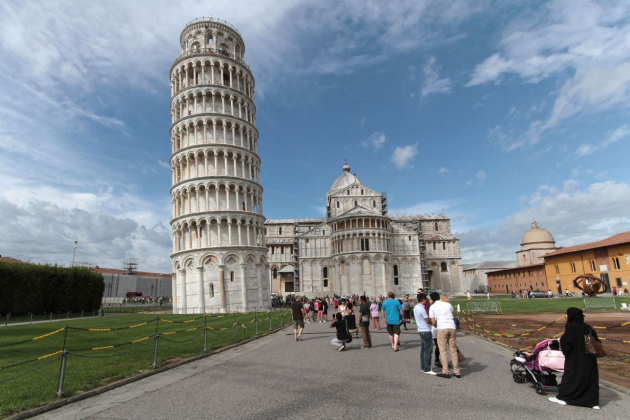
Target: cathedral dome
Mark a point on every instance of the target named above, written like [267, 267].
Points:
[345, 179]
[537, 238]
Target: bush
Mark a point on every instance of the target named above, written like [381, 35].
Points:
[36, 289]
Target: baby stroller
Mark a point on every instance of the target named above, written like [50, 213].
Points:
[540, 366]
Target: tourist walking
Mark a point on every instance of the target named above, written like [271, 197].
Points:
[375, 314]
[580, 381]
[364, 322]
[441, 314]
[406, 311]
[391, 312]
[297, 313]
[424, 330]
[342, 335]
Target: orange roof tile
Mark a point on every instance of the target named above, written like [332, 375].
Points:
[12, 260]
[620, 238]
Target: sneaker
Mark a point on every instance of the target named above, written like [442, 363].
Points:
[554, 399]
[596, 407]
[458, 376]
[444, 375]
[430, 372]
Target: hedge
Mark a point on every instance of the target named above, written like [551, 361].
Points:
[36, 289]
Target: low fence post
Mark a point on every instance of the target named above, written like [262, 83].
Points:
[6, 323]
[474, 325]
[281, 323]
[157, 338]
[81, 313]
[51, 316]
[62, 373]
[269, 322]
[30, 319]
[205, 333]
[256, 320]
[155, 351]
[68, 316]
[236, 332]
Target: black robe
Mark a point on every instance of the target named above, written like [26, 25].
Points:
[580, 382]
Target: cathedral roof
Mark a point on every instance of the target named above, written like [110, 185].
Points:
[359, 211]
[345, 179]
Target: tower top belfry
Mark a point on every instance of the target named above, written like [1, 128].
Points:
[219, 254]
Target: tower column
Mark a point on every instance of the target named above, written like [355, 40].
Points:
[202, 305]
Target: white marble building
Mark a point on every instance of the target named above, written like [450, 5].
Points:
[219, 258]
[358, 248]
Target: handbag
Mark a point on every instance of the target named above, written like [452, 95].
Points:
[460, 356]
[365, 319]
[593, 347]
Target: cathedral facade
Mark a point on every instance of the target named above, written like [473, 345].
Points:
[359, 248]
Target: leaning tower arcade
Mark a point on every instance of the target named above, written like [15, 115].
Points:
[219, 254]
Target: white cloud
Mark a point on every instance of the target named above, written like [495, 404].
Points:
[582, 42]
[403, 157]
[571, 214]
[375, 141]
[432, 83]
[443, 170]
[614, 136]
[481, 176]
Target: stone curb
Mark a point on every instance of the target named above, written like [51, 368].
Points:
[50, 407]
[607, 384]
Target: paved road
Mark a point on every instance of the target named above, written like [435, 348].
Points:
[276, 377]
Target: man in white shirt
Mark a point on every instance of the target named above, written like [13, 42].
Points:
[441, 315]
[424, 330]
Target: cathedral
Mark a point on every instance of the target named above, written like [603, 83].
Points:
[359, 248]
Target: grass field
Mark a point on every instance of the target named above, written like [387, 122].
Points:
[529, 306]
[91, 363]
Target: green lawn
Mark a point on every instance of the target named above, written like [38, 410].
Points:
[528, 306]
[99, 367]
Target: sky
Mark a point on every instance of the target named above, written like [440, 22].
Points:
[496, 112]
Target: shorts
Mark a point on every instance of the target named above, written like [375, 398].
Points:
[406, 314]
[300, 323]
[393, 329]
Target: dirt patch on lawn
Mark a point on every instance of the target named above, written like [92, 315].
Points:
[508, 330]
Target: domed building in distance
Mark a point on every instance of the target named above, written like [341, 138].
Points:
[529, 271]
[535, 243]
[359, 248]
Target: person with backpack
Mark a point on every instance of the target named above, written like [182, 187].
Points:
[406, 311]
[342, 337]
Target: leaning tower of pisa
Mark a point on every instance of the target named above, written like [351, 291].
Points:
[219, 255]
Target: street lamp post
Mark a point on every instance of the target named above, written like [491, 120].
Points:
[74, 252]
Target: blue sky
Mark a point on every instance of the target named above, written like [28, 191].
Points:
[496, 112]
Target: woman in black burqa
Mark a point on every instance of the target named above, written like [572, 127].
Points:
[580, 381]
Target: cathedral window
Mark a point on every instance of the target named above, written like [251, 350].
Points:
[323, 232]
[436, 227]
[265, 231]
[395, 274]
[443, 245]
[280, 231]
[361, 192]
[444, 267]
[348, 192]
[373, 203]
[211, 290]
[434, 246]
[231, 275]
[307, 241]
[337, 204]
[274, 273]
[281, 250]
[356, 203]
[410, 238]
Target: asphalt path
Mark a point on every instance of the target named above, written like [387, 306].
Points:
[276, 377]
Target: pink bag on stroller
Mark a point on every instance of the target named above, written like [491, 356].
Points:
[550, 360]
